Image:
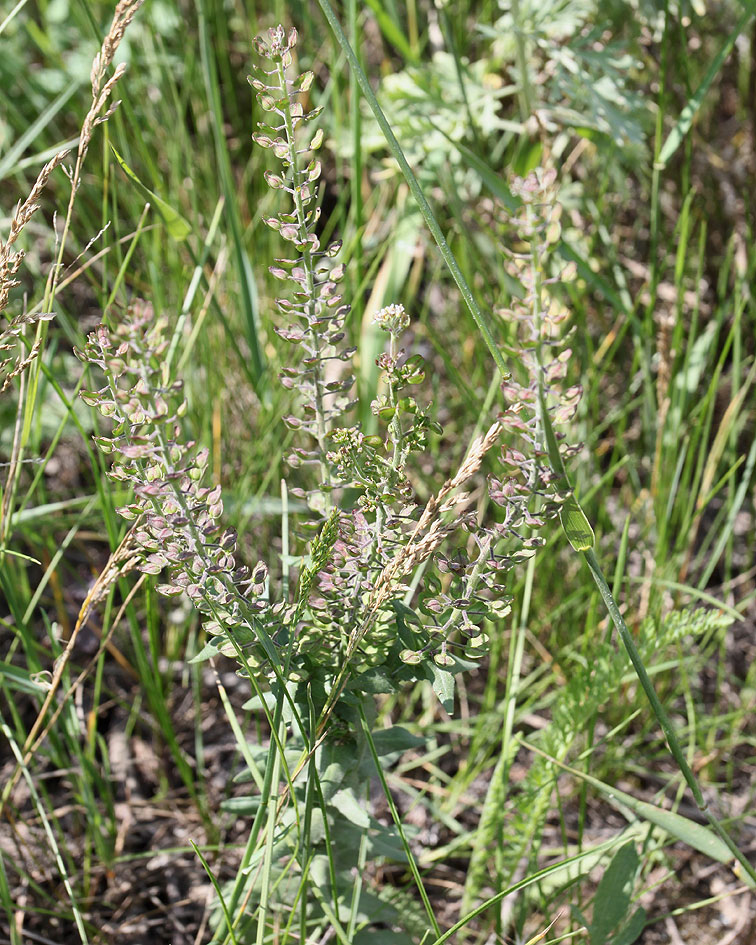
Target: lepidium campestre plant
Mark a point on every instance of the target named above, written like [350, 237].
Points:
[540, 403]
[534, 489]
[391, 590]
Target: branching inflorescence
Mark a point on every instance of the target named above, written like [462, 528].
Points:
[389, 533]
[355, 605]
[533, 490]
[177, 514]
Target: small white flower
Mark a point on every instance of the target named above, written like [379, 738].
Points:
[392, 318]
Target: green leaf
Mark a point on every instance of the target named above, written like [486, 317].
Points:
[350, 808]
[395, 739]
[527, 156]
[443, 686]
[613, 894]
[401, 609]
[241, 806]
[532, 878]
[375, 680]
[16, 678]
[681, 828]
[493, 181]
[178, 227]
[576, 526]
[629, 933]
[414, 640]
[208, 651]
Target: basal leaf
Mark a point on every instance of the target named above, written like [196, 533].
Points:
[629, 933]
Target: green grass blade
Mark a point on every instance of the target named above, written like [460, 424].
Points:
[478, 317]
[218, 891]
[35, 128]
[392, 31]
[535, 877]
[247, 284]
[681, 828]
[399, 825]
[178, 227]
[682, 126]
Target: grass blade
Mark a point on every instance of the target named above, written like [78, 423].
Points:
[682, 828]
[247, 284]
[684, 122]
[425, 208]
[178, 227]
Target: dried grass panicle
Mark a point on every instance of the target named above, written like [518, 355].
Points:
[431, 530]
[28, 208]
[125, 12]
[10, 259]
[474, 457]
[11, 367]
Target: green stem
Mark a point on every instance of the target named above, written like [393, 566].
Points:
[357, 208]
[521, 53]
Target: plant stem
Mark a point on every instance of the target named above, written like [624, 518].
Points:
[523, 93]
[398, 821]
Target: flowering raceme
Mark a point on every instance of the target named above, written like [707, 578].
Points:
[177, 516]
